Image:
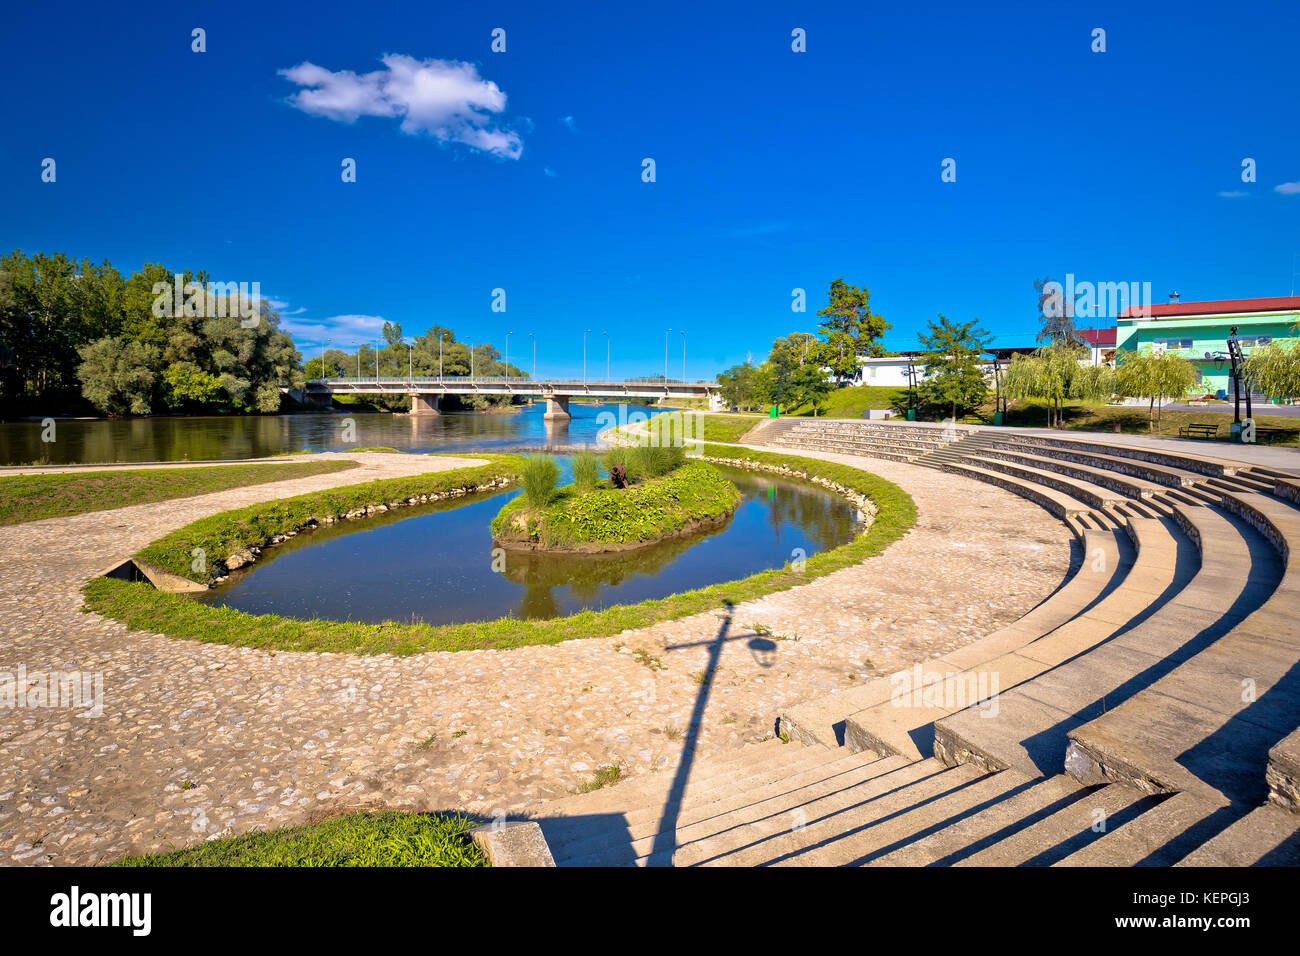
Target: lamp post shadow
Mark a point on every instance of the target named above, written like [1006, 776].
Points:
[665, 841]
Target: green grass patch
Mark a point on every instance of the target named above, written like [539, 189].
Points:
[32, 497]
[141, 607]
[650, 511]
[1132, 420]
[852, 400]
[357, 839]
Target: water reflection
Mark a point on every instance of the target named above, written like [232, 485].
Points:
[250, 436]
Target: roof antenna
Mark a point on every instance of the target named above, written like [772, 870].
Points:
[1175, 296]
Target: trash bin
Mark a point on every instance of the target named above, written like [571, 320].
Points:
[911, 414]
[774, 411]
[997, 418]
[1221, 394]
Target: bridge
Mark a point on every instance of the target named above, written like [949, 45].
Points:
[426, 393]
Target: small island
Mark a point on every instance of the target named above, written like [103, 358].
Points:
[649, 495]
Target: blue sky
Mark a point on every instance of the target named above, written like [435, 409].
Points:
[775, 170]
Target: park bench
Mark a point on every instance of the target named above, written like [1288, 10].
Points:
[1199, 430]
[1268, 435]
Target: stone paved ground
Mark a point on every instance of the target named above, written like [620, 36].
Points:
[198, 740]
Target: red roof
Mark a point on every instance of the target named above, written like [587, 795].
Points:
[1099, 338]
[1281, 303]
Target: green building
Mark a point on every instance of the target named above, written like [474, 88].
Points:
[1195, 329]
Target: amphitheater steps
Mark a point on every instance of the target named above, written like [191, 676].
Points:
[1283, 773]
[1107, 559]
[637, 829]
[835, 829]
[1161, 836]
[1068, 830]
[1156, 473]
[1266, 836]
[1206, 599]
[1127, 486]
[1056, 502]
[1025, 730]
[1207, 725]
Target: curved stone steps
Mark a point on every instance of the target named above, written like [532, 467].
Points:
[1062, 505]
[1154, 472]
[1107, 558]
[1124, 453]
[1128, 486]
[1161, 836]
[1093, 495]
[577, 833]
[1208, 724]
[1222, 579]
[1266, 836]
[919, 723]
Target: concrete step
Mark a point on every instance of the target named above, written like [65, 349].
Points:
[1107, 558]
[1093, 495]
[783, 838]
[1128, 486]
[1023, 803]
[1056, 502]
[591, 835]
[1283, 773]
[1030, 729]
[1266, 836]
[1160, 836]
[1067, 831]
[757, 821]
[1099, 456]
[1135, 454]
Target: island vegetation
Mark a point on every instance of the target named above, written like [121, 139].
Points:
[651, 493]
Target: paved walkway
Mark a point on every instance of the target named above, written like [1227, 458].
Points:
[198, 740]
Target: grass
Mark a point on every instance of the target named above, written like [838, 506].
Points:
[540, 473]
[605, 777]
[222, 535]
[852, 400]
[141, 607]
[724, 428]
[32, 497]
[388, 838]
[1132, 420]
[649, 511]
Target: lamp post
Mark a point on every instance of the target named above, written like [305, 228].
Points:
[440, 356]
[534, 338]
[607, 377]
[322, 357]
[683, 331]
[357, 346]
[508, 334]
[584, 356]
[666, 357]
[410, 362]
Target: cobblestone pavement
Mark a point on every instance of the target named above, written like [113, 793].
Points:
[198, 740]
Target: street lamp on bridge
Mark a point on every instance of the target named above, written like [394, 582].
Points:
[683, 331]
[534, 338]
[666, 356]
[584, 356]
[607, 378]
[508, 334]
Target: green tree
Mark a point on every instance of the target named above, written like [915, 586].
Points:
[738, 386]
[1050, 373]
[953, 375]
[851, 330]
[1155, 376]
[117, 375]
[1275, 369]
[186, 384]
[806, 385]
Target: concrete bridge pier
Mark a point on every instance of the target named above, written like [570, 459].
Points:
[557, 408]
[425, 404]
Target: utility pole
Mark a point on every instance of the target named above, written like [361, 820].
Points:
[683, 331]
[607, 378]
[666, 356]
[508, 334]
[584, 356]
[534, 338]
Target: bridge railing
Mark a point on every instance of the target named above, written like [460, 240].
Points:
[463, 380]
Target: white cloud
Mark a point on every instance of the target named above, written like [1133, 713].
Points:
[1232, 193]
[568, 121]
[342, 331]
[446, 99]
[549, 172]
[1288, 189]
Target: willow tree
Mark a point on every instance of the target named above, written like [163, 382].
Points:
[1155, 376]
[1274, 369]
[1052, 373]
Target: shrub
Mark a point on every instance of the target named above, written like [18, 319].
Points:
[652, 461]
[540, 473]
[586, 471]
